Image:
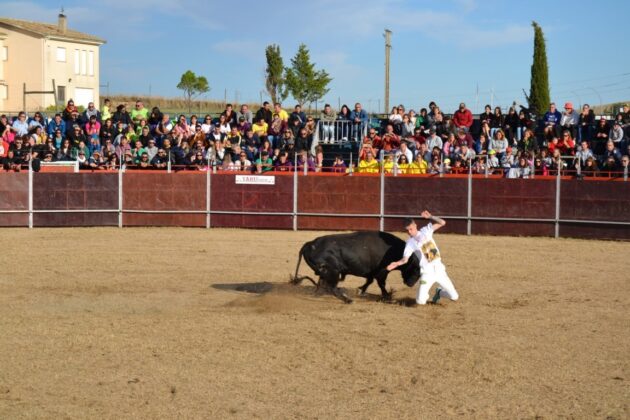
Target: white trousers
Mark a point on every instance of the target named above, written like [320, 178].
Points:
[435, 272]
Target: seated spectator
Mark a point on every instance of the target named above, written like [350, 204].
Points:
[419, 165]
[566, 144]
[77, 136]
[243, 163]
[388, 163]
[283, 164]
[497, 122]
[390, 141]
[521, 170]
[403, 164]
[96, 160]
[64, 153]
[609, 166]
[343, 123]
[481, 145]
[233, 141]
[590, 169]
[487, 117]
[207, 126]
[417, 139]
[278, 126]
[616, 134]
[404, 150]
[106, 114]
[56, 124]
[122, 148]
[298, 114]
[540, 168]
[373, 140]
[121, 115]
[528, 143]
[144, 162]
[155, 117]
[434, 140]
[465, 137]
[493, 161]
[369, 165]
[139, 113]
[243, 125]
[569, 119]
[38, 120]
[551, 121]
[459, 166]
[264, 163]
[584, 153]
[436, 166]
[466, 154]
[499, 144]
[611, 152]
[260, 128]
[137, 151]
[20, 125]
[217, 136]
[310, 127]
[277, 108]
[303, 159]
[424, 152]
[422, 120]
[407, 128]
[160, 160]
[164, 128]
[302, 142]
[339, 166]
[480, 166]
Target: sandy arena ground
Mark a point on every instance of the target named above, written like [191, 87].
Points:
[194, 323]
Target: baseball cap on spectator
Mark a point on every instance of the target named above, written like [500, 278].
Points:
[264, 153]
[432, 129]
[568, 105]
[241, 119]
[492, 152]
[447, 161]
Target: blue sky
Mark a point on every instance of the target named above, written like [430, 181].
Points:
[442, 51]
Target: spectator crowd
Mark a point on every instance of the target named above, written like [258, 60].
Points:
[514, 144]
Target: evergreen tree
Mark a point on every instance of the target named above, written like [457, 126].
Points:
[192, 86]
[539, 89]
[304, 82]
[274, 74]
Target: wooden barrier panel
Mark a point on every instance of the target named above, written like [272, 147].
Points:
[71, 191]
[161, 191]
[227, 195]
[13, 196]
[513, 198]
[340, 195]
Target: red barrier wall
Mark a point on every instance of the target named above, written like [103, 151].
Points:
[13, 196]
[161, 191]
[69, 191]
[228, 196]
[339, 194]
[182, 192]
[513, 198]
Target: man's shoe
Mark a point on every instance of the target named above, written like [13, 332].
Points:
[436, 296]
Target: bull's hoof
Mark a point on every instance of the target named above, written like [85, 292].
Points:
[360, 291]
[347, 300]
[387, 297]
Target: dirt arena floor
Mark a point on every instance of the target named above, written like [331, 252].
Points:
[194, 323]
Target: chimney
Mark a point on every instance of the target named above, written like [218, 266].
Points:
[63, 23]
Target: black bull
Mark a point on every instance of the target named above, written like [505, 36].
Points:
[361, 254]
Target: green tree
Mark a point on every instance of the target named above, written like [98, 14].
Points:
[304, 82]
[539, 89]
[193, 86]
[274, 74]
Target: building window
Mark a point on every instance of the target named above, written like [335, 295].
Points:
[5, 53]
[4, 92]
[83, 62]
[77, 62]
[91, 63]
[61, 94]
[61, 54]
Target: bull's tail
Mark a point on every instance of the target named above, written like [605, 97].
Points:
[295, 279]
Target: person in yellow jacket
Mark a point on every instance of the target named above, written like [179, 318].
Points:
[388, 164]
[419, 165]
[369, 165]
[403, 165]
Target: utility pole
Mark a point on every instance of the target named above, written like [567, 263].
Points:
[388, 47]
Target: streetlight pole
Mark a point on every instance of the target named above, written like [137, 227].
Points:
[388, 47]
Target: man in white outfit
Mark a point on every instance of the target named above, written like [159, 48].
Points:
[433, 271]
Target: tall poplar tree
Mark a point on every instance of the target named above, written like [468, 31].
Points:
[539, 89]
[274, 74]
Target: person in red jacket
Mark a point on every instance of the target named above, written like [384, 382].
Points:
[462, 118]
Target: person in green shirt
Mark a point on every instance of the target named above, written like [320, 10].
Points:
[264, 163]
[139, 113]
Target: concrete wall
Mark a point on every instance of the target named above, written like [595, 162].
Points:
[24, 65]
[323, 202]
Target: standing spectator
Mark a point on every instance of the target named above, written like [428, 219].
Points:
[462, 118]
[246, 114]
[487, 117]
[498, 121]
[552, 122]
[359, 119]
[327, 122]
[107, 110]
[511, 123]
[298, 114]
[264, 112]
[524, 123]
[69, 110]
[277, 108]
[343, 123]
[91, 111]
[569, 120]
[121, 115]
[586, 123]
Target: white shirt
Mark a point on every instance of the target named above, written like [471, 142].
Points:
[423, 246]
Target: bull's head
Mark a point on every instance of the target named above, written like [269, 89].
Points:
[411, 271]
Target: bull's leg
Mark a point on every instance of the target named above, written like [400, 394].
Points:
[299, 279]
[363, 288]
[380, 279]
[341, 295]
[331, 280]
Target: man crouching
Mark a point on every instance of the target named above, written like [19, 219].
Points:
[433, 271]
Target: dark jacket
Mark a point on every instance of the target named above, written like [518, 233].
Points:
[263, 113]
